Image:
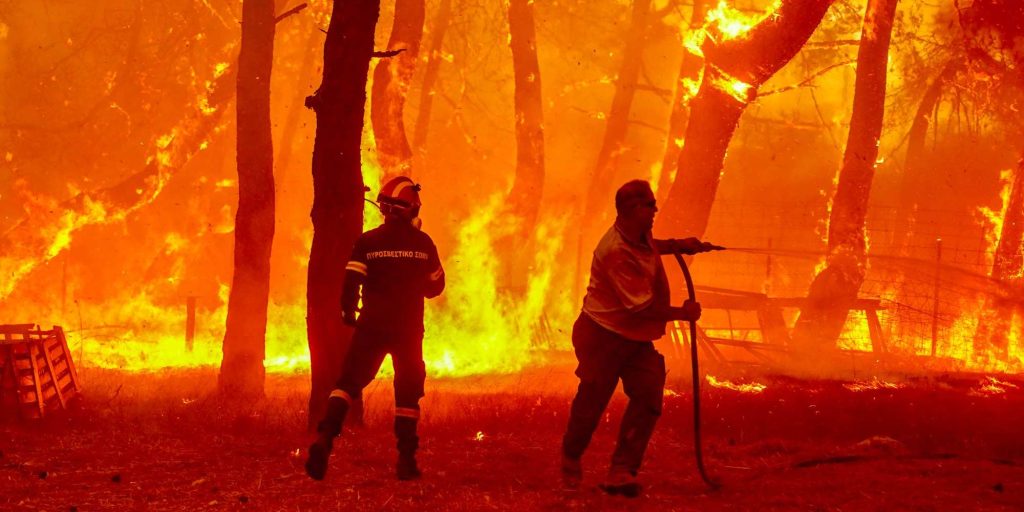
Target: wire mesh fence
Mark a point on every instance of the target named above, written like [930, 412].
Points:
[931, 276]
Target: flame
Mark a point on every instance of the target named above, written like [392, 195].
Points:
[43, 236]
[473, 330]
[991, 220]
[993, 386]
[753, 387]
[873, 384]
[728, 23]
[478, 329]
[56, 237]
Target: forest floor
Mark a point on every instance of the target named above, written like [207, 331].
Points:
[166, 441]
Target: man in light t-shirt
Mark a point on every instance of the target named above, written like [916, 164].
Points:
[626, 307]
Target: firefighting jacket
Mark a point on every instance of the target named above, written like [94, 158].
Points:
[397, 267]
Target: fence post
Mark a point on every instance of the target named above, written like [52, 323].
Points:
[935, 294]
[190, 322]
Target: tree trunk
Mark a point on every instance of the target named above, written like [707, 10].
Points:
[390, 85]
[689, 74]
[733, 70]
[241, 369]
[834, 288]
[994, 325]
[602, 181]
[524, 198]
[337, 212]
[914, 169]
[441, 22]
[293, 121]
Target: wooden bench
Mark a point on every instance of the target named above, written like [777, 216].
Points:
[774, 333]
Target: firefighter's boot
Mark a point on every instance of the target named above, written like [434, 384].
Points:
[327, 430]
[408, 442]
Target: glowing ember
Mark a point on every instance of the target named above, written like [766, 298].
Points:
[479, 436]
[753, 387]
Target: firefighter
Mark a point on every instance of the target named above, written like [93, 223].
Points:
[397, 266]
[625, 309]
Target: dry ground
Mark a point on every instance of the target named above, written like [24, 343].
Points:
[166, 442]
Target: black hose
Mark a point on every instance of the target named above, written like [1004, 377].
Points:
[694, 365]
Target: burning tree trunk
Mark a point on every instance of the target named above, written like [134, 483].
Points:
[390, 85]
[602, 180]
[992, 336]
[441, 22]
[337, 212]
[821, 321]
[524, 198]
[735, 65]
[689, 76]
[241, 370]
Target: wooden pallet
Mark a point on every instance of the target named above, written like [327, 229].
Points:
[37, 374]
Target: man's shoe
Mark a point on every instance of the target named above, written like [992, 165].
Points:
[621, 482]
[319, 452]
[406, 468]
[572, 473]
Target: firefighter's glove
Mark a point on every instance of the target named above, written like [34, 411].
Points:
[690, 311]
[349, 317]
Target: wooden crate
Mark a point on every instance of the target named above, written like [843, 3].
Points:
[37, 374]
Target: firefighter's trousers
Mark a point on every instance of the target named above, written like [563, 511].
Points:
[604, 358]
[370, 344]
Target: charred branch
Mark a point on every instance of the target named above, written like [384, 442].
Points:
[386, 54]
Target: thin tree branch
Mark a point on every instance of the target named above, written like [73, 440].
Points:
[663, 94]
[294, 10]
[808, 79]
[645, 124]
[832, 44]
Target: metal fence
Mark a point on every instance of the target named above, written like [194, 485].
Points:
[931, 277]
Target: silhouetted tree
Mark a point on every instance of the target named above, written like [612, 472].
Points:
[602, 180]
[337, 212]
[430, 72]
[391, 80]
[524, 198]
[241, 370]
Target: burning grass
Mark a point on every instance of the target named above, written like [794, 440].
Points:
[166, 442]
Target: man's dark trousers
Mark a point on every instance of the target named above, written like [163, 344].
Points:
[370, 343]
[604, 358]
